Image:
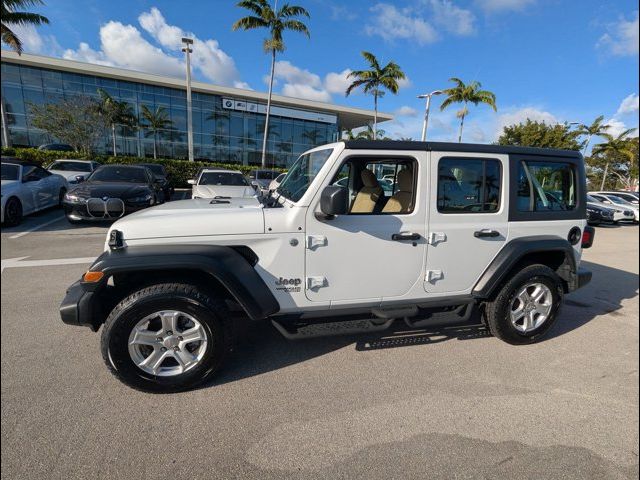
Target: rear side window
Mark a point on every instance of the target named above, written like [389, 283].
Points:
[469, 185]
[546, 186]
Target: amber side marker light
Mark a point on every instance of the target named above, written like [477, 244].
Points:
[92, 277]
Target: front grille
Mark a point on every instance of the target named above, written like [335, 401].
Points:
[628, 213]
[109, 208]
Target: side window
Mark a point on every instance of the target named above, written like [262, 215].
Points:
[469, 185]
[41, 173]
[28, 172]
[546, 186]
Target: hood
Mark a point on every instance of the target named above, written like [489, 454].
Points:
[211, 191]
[188, 218]
[110, 189]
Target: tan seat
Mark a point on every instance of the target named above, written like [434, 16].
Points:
[369, 195]
[402, 200]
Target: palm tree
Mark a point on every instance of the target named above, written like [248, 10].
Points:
[11, 16]
[595, 129]
[116, 113]
[466, 94]
[375, 80]
[370, 134]
[276, 22]
[614, 147]
[156, 121]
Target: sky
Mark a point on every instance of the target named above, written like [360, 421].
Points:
[551, 60]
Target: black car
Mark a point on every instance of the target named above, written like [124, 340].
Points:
[110, 192]
[164, 181]
[597, 215]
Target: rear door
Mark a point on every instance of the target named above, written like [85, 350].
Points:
[468, 218]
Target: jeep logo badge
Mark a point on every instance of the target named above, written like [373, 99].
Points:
[288, 284]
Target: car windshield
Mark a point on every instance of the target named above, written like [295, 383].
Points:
[302, 173]
[156, 169]
[70, 166]
[119, 174]
[591, 199]
[616, 199]
[10, 172]
[223, 178]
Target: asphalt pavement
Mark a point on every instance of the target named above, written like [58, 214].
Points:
[436, 403]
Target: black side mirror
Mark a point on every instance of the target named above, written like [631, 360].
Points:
[334, 201]
[79, 178]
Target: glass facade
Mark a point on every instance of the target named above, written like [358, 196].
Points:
[221, 135]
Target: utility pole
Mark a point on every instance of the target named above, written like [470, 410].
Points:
[427, 107]
[187, 51]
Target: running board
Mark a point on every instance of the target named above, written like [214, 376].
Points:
[455, 315]
[346, 327]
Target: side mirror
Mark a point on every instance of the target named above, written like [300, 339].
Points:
[79, 178]
[191, 181]
[334, 200]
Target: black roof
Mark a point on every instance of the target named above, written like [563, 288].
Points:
[456, 147]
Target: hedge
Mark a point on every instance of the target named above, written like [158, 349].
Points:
[179, 171]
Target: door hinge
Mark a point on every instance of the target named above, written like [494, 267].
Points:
[437, 237]
[314, 283]
[434, 275]
[314, 241]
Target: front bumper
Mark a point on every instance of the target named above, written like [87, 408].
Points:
[80, 211]
[582, 278]
[79, 308]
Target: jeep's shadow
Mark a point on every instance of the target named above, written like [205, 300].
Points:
[262, 349]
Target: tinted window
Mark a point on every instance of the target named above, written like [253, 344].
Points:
[71, 166]
[222, 178]
[546, 186]
[156, 169]
[10, 172]
[468, 185]
[119, 174]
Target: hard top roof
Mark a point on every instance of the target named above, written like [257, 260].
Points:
[456, 147]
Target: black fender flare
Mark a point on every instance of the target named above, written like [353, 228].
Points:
[224, 263]
[514, 251]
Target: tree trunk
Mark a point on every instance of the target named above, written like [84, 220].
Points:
[461, 127]
[266, 120]
[155, 147]
[113, 138]
[6, 138]
[604, 175]
[586, 145]
[375, 115]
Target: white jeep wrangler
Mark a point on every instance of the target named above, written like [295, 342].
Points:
[451, 229]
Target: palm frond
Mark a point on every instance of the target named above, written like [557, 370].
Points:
[250, 23]
[296, 26]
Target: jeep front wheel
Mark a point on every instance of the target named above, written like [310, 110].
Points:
[526, 307]
[166, 338]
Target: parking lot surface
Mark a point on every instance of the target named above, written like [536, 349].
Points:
[435, 403]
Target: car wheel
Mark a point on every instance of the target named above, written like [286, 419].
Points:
[13, 212]
[61, 194]
[166, 338]
[526, 307]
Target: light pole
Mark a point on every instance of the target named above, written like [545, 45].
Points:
[187, 51]
[426, 111]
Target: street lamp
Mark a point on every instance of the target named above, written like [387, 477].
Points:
[426, 110]
[187, 51]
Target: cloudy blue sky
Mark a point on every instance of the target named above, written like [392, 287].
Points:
[552, 60]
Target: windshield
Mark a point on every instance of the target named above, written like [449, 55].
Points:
[119, 174]
[302, 173]
[10, 172]
[591, 199]
[223, 178]
[619, 200]
[156, 169]
[69, 166]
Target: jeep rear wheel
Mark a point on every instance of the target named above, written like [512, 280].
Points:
[166, 338]
[526, 307]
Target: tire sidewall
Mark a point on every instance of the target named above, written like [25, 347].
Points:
[12, 220]
[118, 356]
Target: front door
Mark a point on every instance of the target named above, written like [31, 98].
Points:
[377, 249]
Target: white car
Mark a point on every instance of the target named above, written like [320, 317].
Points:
[617, 202]
[28, 188]
[70, 169]
[212, 183]
[626, 196]
[619, 214]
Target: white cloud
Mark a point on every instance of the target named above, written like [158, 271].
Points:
[299, 83]
[405, 111]
[452, 18]
[33, 42]
[497, 6]
[621, 38]
[306, 91]
[85, 53]
[338, 82]
[617, 126]
[629, 105]
[392, 23]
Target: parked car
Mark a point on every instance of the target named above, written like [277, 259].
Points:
[275, 183]
[620, 214]
[28, 188]
[314, 262]
[615, 201]
[597, 215]
[111, 192]
[260, 179]
[218, 183]
[57, 147]
[628, 196]
[164, 181]
[73, 169]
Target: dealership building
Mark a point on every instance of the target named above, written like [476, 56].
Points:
[228, 123]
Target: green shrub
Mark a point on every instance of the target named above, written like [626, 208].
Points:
[178, 170]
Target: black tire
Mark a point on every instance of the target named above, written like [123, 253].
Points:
[12, 212]
[61, 194]
[210, 312]
[498, 311]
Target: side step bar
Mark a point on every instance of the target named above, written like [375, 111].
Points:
[345, 327]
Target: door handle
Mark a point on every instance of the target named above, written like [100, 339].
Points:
[486, 234]
[405, 236]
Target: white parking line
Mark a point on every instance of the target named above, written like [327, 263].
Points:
[19, 262]
[36, 227]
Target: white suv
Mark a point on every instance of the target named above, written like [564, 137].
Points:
[465, 227]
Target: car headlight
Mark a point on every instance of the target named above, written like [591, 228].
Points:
[141, 199]
[70, 197]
